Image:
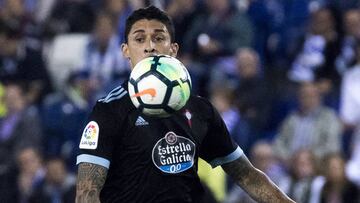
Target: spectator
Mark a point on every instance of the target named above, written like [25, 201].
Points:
[183, 13]
[302, 173]
[337, 187]
[347, 56]
[58, 186]
[19, 128]
[312, 126]
[22, 61]
[263, 158]
[219, 31]
[31, 172]
[15, 14]
[64, 114]
[252, 93]
[119, 10]
[350, 115]
[69, 16]
[243, 73]
[223, 100]
[296, 22]
[103, 60]
[268, 17]
[321, 45]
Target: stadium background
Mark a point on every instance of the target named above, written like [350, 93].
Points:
[275, 70]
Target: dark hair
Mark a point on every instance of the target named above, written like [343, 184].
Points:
[105, 14]
[150, 13]
[13, 81]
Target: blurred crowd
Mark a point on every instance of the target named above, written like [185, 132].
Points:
[284, 75]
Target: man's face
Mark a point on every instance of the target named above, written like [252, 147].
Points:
[247, 64]
[352, 23]
[322, 22]
[103, 30]
[147, 38]
[309, 97]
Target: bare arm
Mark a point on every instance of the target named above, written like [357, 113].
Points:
[254, 182]
[90, 180]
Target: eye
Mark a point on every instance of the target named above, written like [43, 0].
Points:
[159, 38]
[139, 39]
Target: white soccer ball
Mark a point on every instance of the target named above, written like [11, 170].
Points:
[159, 85]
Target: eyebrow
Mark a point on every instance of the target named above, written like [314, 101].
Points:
[160, 30]
[138, 31]
[142, 31]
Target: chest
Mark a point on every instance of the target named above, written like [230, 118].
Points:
[170, 143]
[147, 131]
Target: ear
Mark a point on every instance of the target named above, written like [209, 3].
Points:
[174, 48]
[125, 50]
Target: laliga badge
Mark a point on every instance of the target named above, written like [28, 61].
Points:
[90, 136]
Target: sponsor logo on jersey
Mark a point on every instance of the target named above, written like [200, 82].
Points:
[173, 153]
[90, 136]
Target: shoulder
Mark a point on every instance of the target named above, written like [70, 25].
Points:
[201, 105]
[327, 111]
[117, 100]
[117, 94]
[199, 102]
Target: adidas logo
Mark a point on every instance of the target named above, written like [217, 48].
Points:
[141, 121]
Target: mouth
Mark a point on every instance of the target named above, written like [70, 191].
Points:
[150, 55]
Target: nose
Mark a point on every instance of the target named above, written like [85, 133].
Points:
[150, 47]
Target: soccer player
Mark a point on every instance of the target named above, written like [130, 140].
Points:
[127, 156]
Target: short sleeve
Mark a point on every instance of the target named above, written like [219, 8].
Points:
[218, 147]
[98, 137]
